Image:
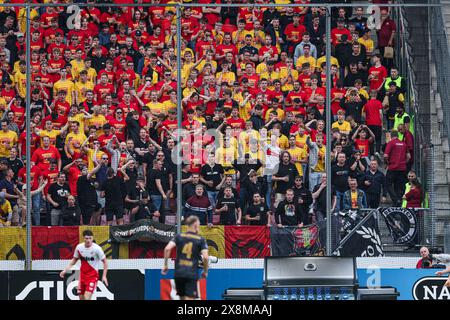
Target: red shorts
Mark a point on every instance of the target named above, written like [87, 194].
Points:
[87, 285]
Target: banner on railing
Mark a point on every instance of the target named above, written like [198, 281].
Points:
[402, 224]
[247, 242]
[12, 243]
[143, 230]
[54, 242]
[215, 239]
[294, 241]
[363, 241]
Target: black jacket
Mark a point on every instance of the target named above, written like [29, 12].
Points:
[71, 216]
[377, 180]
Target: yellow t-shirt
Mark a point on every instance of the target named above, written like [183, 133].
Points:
[3, 105]
[51, 134]
[320, 166]
[298, 154]
[80, 118]
[301, 141]
[76, 140]
[201, 65]
[66, 85]
[77, 67]
[90, 155]
[228, 77]
[324, 59]
[271, 77]
[188, 91]
[302, 59]
[5, 210]
[97, 121]
[92, 74]
[22, 18]
[244, 111]
[354, 196]
[169, 105]
[81, 89]
[256, 44]
[21, 80]
[280, 114]
[244, 139]
[343, 127]
[367, 43]
[283, 74]
[240, 41]
[157, 108]
[7, 138]
[260, 69]
[226, 158]
[364, 93]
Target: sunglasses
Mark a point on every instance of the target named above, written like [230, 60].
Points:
[104, 158]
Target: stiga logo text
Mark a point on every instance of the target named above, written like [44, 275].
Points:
[431, 288]
[48, 288]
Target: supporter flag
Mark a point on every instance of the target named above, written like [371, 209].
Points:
[363, 241]
[168, 290]
[294, 241]
[54, 242]
[402, 224]
[215, 238]
[247, 241]
[12, 243]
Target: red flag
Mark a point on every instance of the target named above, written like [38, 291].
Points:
[54, 242]
[247, 241]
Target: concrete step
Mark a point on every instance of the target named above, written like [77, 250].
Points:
[441, 191]
[443, 208]
[445, 143]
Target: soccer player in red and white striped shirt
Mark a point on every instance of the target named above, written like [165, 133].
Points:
[90, 254]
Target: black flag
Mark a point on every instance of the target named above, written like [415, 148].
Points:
[363, 241]
[402, 224]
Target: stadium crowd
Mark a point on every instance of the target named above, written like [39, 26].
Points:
[253, 142]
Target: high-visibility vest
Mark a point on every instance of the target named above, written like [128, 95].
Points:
[397, 81]
[407, 189]
[400, 120]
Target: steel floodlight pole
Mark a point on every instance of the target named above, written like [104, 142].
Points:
[179, 120]
[328, 131]
[28, 144]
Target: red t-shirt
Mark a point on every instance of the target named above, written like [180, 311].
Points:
[72, 176]
[295, 32]
[23, 144]
[364, 146]
[41, 157]
[396, 151]
[373, 116]
[380, 74]
[51, 176]
[35, 173]
[120, 127]
[338, 33]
